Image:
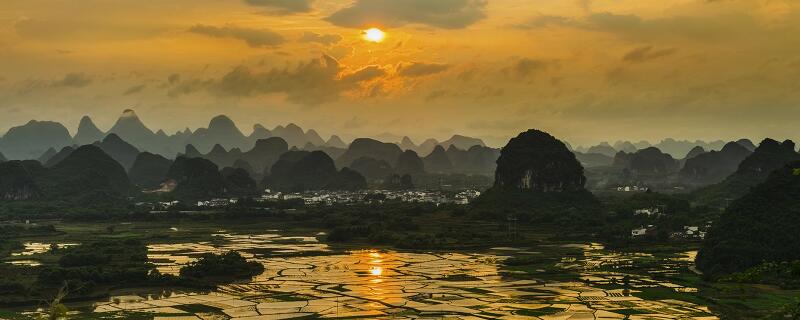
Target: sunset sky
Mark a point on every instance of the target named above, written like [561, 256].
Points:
[586, 71]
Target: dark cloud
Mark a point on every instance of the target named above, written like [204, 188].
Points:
[490, 92]
[542, 21]
[435, 95]
[647, 53]
[633, 27]
[468, 75]
[174, 78]
[76, 80]
[282, 6]
[447, 14]
[364, 74]
[310, 83]
[326, 39]
[190, 86]
[526, 66]
[421, 69]
[134, 89]
[313, 82]
[253, 37]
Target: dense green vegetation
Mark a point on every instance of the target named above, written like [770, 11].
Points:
[539, 188]
[761, 226]
[148, 170]
[103, 263]
[95, 268]
[196, 178]
[221, 267]
[298, 171]
[675, 212]
[574, 210]
[783, 274]
[539, 162]
[86, 269]
[410, 226]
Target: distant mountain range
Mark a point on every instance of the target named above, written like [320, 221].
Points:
[43, 139]
[656, 169]
[40, 159]
[678, 149]
[36, 138]
[146, 155]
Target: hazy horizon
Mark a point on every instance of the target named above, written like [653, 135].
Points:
[392, 137]
[585, 71]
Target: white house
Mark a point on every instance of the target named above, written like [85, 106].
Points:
[638, 232]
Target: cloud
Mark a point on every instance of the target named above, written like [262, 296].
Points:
[174, 78]
[527, 66]
[355, 123]
[134, 89]
[253, 37]
[282, 6]
[490, 92]
[309, 83]
[421, 69]
[646, 53]
[326, 39]
[544, 20]
[364, 74]
[497, 124]
[339, 52]
[447, 14]
[435, 95]
[74, 28]
[75, 80]
[190, 86]
[585, 5]
[633, 27]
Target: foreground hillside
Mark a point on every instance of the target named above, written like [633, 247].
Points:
[759, 227]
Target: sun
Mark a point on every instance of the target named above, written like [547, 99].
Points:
[374, 35]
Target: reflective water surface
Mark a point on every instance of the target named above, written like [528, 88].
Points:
[307, 279]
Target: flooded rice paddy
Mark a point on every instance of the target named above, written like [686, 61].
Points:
[306, 279]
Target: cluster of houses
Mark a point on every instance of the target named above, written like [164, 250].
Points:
[688, 232]
[653, 212]
[373, 196]
[157, 206]
[633, 188]
[216, 203]
[334, 197]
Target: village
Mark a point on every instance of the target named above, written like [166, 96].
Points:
[329, 198]
[687, 233]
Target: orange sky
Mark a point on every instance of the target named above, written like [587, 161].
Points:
[586, 70]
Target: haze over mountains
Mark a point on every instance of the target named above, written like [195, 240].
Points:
[36, 138]
[147, 155]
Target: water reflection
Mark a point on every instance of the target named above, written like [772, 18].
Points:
[32, 248]
[304, 278]
[170, 257]
[35, 248]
